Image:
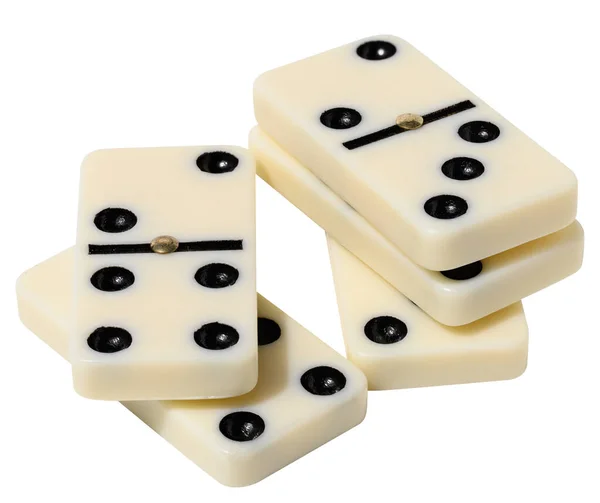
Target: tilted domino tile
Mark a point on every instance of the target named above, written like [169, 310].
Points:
[165, 274]
[460, 183]
[454, 297]
[397, 345]
[307, 393]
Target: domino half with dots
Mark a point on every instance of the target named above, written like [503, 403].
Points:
[454, 297]
[397, 345]
[307, 393]
[165, 248]
[439, 173]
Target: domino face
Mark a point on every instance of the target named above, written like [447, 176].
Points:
[307, 393]
[397, 345]
[165, 274]
[454, 297]
[437, 171]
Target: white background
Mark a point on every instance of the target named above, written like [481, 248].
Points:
[83, 75]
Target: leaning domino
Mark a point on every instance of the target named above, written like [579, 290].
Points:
[438, 172]
[456, 297]
[398, 346]
[165, 249]
[307, 393]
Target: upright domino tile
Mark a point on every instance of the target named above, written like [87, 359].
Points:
[307, 393]
[397, 345]
[433, 168]
[165, 295]
[453, 297]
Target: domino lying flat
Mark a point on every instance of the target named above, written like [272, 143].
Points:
[397, 345]
[455, 297]
[165, 248]
[438, 172]
[307, 394]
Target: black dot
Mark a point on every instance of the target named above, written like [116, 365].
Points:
[268, 331]
[385, 330]
[479, 131]
[115, 220]
[217, 162]
[216, 336]
[446, 207]
[242, 426]
[109, 339]
[340, 118]
[463, 168]
[464, 272]
[217, 275]
[323, 380]
[376, 50]
[112, 279]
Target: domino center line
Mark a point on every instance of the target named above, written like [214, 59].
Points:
[387, 132]
[190, 246]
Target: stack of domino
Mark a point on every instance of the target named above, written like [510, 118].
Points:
[441, 217]
[414, 177]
